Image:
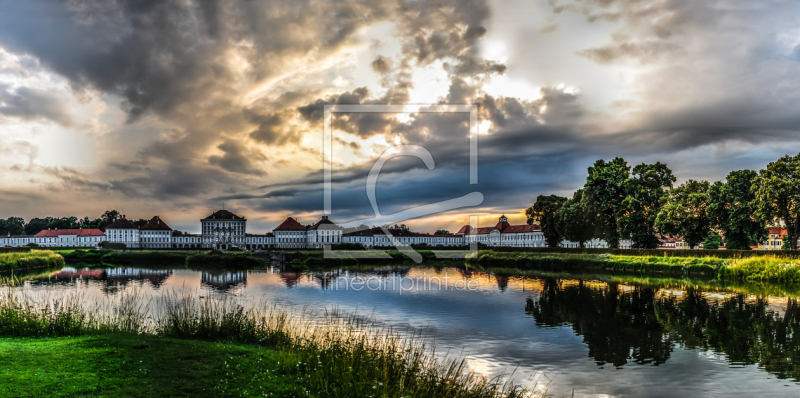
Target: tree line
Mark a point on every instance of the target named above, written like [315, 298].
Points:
[639, 203]
[18, 226]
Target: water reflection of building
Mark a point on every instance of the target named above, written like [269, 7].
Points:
[72, 273]
[325, 279]
[224, 281]
[502, 282]
[123, 276]
[290, 278]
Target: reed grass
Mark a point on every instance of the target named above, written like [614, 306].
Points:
[331, 355]
[30, 260]
[761, 268]
[765, 268]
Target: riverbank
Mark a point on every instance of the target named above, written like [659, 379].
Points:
[333, 356]
[30, 260]
[162, 258]
[141, 366]
[768, 268]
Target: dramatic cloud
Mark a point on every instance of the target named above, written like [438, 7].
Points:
[180, 105]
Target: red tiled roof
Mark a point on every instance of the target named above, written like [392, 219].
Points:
[290, 224]
[50, 233]
[515, 229]
[464, 230]
[156, 224]
[506, 229]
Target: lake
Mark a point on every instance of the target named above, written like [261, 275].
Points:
[591, 335]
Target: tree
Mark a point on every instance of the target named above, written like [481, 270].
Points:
[733, 210]
[544, 212]
[442, 232]
[110, 216]
[575, 220]
[777, 192]
[685, 214]
[15, 226]
[645, 190]
[713, 241]
[605, 187]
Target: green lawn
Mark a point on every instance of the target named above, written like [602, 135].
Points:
[139, 366]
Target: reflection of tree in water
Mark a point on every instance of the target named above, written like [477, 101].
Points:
[637, 326]
[616, 327]
[748, 332]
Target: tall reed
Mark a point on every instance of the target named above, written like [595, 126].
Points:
[333, 354]
[29, 260]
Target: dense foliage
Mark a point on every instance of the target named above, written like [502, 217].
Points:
[640, 205]
[544, 211]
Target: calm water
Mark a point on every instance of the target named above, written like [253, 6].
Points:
[601, 338]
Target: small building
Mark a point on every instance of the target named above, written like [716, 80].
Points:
[325, 232]
[82, 237]
[183, 240]
[290, 234]
[123, 231]
[156, 234]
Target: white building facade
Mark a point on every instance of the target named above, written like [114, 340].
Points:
[156, 234]
[125, 232]
[223, 230]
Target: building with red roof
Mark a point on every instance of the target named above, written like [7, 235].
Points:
[290, 234]
[504, 234]
[81, 237]
[156, 234]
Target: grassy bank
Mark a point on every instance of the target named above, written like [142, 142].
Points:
[215, 258]
[30, 260]
[332, 356]
[122, 365]
[761, 268]
[161, 258]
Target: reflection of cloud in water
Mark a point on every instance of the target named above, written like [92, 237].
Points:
[496, 334]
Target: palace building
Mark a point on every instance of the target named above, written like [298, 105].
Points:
[225, 230]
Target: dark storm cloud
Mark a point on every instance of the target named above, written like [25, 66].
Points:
[714, 74]
[32, 104]
[237, 158]
[648, 52]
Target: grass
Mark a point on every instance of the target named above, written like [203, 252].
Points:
[765, 268]
[141, 366]
[162, 258]
[215, 258]
[335, 355]
[30, 260]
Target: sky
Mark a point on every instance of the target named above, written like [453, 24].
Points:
[178, 108]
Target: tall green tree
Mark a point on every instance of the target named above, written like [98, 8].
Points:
[605, 191]
[646, 190]
[15, 226]
[713, 241]
[686, 213]
[777, 192]
[544, 212]
[110, 216]
[733, 210]
[575, 220]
